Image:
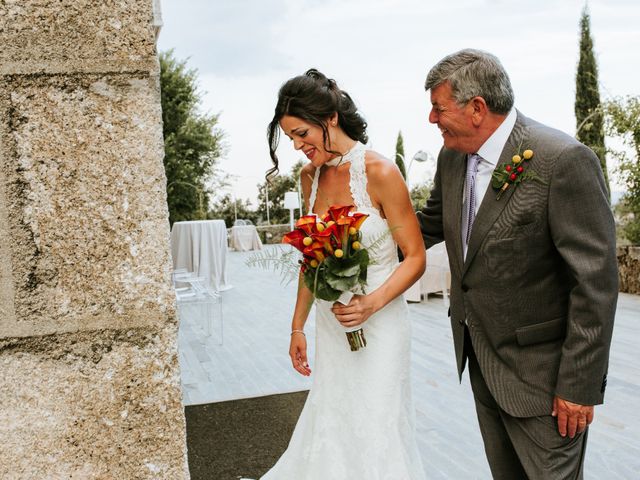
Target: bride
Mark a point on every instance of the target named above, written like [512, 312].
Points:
[358, 420]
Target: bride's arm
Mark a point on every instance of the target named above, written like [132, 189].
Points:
[304, 300]
[389, 192]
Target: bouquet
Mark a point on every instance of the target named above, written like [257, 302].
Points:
[334, 263]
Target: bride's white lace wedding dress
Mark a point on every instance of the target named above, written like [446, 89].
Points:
[358, 420]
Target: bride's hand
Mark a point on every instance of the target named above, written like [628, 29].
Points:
[298, 353]
[359, 309]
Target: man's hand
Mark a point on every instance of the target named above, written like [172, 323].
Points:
[572, 417]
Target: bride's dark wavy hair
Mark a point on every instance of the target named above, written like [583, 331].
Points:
[313, 98]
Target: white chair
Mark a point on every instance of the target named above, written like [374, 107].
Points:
[197, 304]
[437, 276]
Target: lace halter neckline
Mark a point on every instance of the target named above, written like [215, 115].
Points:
[347, 157]
[357, 179]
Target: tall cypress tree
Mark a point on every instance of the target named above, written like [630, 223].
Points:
[589, 115]
[400, 155]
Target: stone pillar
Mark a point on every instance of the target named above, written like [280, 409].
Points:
[629, 269]
[89, 384]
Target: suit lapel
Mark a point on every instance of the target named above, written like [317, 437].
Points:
[490, 208]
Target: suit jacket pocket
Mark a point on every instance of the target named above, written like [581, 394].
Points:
[542, 332]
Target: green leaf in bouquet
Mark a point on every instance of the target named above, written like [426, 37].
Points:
[315, 280]
[341, 283]
[363, 257]
[285, 261]
[343, 267]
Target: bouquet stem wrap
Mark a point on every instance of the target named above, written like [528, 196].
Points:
[354, 337]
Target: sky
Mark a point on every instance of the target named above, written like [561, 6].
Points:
[380, 51]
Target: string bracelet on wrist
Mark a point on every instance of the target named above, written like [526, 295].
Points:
[298, 331]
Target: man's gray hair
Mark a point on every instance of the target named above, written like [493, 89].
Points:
[474, 73]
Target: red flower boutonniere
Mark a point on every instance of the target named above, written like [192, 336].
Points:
[513, 173]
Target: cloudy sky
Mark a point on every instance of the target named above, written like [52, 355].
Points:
[380, 51]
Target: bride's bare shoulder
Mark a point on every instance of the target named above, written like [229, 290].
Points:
[379, 168]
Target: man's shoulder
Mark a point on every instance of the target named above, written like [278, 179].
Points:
[552, 140]
[538, 129]
[557, 147]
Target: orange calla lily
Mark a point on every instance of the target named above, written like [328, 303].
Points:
[358, 218]
[307, 224]
[315, 250]
[339, 211]
[324, 237]
[342, 231]
[295, 239]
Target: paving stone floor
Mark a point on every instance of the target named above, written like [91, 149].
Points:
[253, 361]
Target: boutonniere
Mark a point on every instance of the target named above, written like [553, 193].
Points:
[513, 173]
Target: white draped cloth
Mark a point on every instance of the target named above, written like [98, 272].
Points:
[437, 276]
[201, 247]
[244, 238]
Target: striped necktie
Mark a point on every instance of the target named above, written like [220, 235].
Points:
[469, 213]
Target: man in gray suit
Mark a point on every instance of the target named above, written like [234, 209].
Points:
[524, 214]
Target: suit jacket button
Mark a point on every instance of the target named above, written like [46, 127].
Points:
[465, 287]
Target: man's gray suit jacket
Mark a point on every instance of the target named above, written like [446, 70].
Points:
[539, 284]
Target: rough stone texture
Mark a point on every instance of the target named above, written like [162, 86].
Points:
[87, 210]
[629, 269]
[94, 405]
[60, 36]
[90, 380]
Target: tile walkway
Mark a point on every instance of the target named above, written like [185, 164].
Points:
[253, 361]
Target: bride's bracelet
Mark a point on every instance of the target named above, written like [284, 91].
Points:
[298, 331]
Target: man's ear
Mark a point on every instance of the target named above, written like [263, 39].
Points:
[479, 110]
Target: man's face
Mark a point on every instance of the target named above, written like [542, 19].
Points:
[453, 120]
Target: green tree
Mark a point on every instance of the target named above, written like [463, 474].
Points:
[192, 142]
[589, 116]
[228, 209]
[275, 190]
[623, 121]
[420, 194]
[400, 155]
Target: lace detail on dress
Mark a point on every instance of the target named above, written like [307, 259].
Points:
[358, 178]
[314, 191]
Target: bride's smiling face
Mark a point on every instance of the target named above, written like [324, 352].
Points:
[306, 137]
